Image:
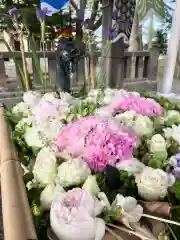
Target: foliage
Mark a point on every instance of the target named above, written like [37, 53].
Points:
[177, 186]
[28, 10]
[161, 41]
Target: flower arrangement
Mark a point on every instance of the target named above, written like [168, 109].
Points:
[105, 164]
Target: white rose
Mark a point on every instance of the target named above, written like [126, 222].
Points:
[127, 118]
[153, 183]
[72, 172]
[48, 110]
[31, 98]
[50, 129]
[43, 134]
[157, 143]
[173, 132]
[131, 212]
[142, 125]
[33, 137]
[24, 123]
[173, 114]
[49, 96]
[45, 168]
[91, 185]
[21, 109]
[134, 166]
[50, 192]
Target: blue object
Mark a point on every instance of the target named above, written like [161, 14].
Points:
[52, 6]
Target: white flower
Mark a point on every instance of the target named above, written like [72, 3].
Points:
[104, 111]
[127, 118]
[21, 109]
[48, 110]
[73, 216]
[91, 185]
[157, 143]
[24, 123]
[66, 97]
[72, 172]
[172, 114]
[49, 193]
[50, 96]
[131, 212]
[104, 200]
[50, 129]
[173, 161]
[134, 166]
[33, 138]
[173, 132]
[142, 125]
[45, 168]
[112, 95]
[31, 98]
[153, 183]
[42, 134]
[94, 95]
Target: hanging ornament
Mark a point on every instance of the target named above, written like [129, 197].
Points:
[122, 16]
[149, 7]
[52, 6]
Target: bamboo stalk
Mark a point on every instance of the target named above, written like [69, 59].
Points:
[24, 62]
[17, 219]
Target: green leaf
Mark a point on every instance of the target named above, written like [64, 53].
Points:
[177, 187]
[154, 164]
[33, 48]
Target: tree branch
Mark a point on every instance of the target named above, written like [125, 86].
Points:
[74, 5]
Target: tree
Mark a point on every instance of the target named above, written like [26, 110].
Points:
[161, 41]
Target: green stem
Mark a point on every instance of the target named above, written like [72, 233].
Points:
[45, 66]
[24, 62]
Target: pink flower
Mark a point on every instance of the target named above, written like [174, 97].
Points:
[140, 105]
[75, 212]
[49, 109]
[99, 141]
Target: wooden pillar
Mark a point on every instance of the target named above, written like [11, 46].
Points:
[117, 20]
[106, 45]
[153, 64]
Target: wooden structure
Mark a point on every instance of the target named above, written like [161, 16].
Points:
[17, 219]
[134, 70]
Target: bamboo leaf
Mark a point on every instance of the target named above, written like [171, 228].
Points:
[35, 58]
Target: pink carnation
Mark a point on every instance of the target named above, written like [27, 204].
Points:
[99, 141]
[140, 105]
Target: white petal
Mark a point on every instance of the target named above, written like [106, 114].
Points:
[130, 204]
[102, 196]
[171, 180]
[119, 201]
[100, 229]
